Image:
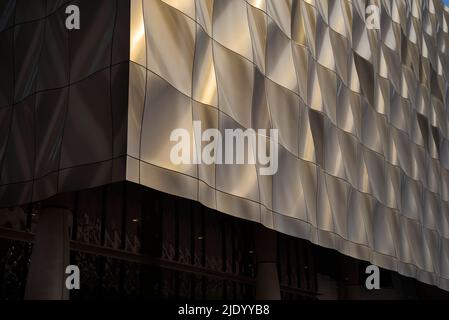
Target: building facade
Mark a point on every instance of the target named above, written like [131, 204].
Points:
[363, 156]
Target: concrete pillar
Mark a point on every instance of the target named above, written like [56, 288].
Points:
[50, 256]
[267, 280]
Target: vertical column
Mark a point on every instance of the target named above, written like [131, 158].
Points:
[267, 280]
[50, 256]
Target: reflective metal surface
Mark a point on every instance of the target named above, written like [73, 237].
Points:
[362, 118]
[63, 98]
[362, 114]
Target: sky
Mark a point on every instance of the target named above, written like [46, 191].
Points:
[446, 2]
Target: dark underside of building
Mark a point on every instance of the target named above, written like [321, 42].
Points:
[131, 242]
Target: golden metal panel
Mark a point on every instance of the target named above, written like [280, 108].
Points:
[362, 118]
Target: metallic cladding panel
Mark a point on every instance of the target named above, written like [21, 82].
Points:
[362, 118]
[63, 98]
[362, 114]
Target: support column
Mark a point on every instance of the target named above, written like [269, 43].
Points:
[50, 256]
[267, 280]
